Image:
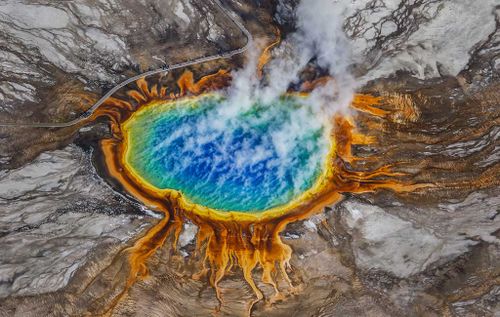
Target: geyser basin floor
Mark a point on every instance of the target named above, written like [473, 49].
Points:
[258, 158]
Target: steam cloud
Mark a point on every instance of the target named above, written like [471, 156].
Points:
[319, 37]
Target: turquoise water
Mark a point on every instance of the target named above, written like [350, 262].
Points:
[257, 159]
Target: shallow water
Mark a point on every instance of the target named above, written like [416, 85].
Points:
[249, 162]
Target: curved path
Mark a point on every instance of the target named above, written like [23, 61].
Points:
[166, 68]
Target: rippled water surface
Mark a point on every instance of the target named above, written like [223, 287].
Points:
[252, 161]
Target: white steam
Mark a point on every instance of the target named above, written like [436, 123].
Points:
[319, 36]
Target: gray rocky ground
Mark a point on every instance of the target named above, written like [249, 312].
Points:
[379, 254]
[93, 45]
[54, 212]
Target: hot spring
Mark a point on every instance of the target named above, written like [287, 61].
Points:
[255, 159]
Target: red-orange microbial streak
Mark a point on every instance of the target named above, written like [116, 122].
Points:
[369, 104]
[265, 57]
[239, 240]
[309, 86]
[186, 82]
[402, 106]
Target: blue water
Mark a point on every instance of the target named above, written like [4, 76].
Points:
[259, 159]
